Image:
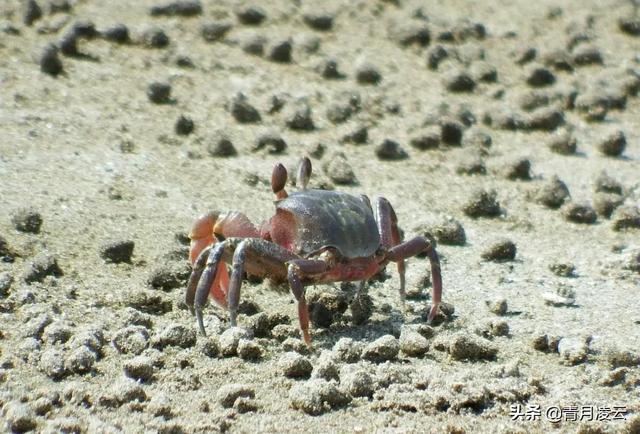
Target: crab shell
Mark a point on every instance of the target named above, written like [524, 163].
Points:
[310, 221]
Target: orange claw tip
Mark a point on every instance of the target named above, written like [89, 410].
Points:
[203, 226]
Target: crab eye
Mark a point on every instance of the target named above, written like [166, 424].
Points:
[219, 236]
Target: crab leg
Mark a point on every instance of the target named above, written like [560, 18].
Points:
[390, 235]
[413, 247]
[207, 282]
[296, 270]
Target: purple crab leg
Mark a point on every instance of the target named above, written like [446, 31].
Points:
[390, 235]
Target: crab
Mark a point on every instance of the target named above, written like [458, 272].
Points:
[315, 237]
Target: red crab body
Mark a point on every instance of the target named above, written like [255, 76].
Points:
[315, 236]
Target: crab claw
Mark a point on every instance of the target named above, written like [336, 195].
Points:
[216, 226]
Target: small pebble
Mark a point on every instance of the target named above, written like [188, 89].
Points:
[340, 171]
[562, 143]
[43, 265]
[368, 74]
[251, 15]
[463, 347]
[544, 119]
[382, 349]
[131, 340]
[497, 306]
[221, 146]
[539, 76]
[215, 30]
[630, 25]
[347, 350]
[553, 194]
[579, 213]
[519, 168]
[573, 350]
[254, 44]
[607, 184]
[390, 150]
[18, 416]
[626, 217]
[482, 203]
[412, 343]
[358, 383]
[321, 21]
[118, 33]
[84, 29]
[316, 396]
[613, 145]
[435, 56]
[498, 328]
[545, 343]
[559, 298]
[450, 232]
[117, 251]
[501, 251]
[359, 135]
[27, 220]
[329, 70]
[459, 81]
[407, 33]
[176, 335]
[242, 111]
[69, 44]
[294, 365]
[159, 92]
[155, 37]
[139, 368]
[587, 55]
[280, 52]
[183, 8]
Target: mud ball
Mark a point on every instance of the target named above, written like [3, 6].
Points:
[562, 269]
[497, 306]
[426, 139]
[50, 62]
[347, 350]
[169, 275]
[214, 31]
[629, 25]
[500, 251]
[329, 70]
[221, 146]
[118, 33]
[435, 56]
[229, 393]
[358, 136]
[544, 119]
[184, 125]
[472, 165]
[358, 383]
[300, 119]
[159, 92]
[361, 308]
[19, 417]
[412, 343]
[69, 44]
[525, 54]
[587, 55]
[317, 396]
[155, 37]
[271, 142]
[176, 335]
[604, 183]
[573, 350]
[280, 52]
[579, 213]
[562, 143]
[451, 132]
[463, 347]
[27, 220]
[406, 33]
[31, 12]
[250, 15]
[539, 76]
[325, 306]
[450, 232]
[458, 81]
[242, 111]
[321, 21]
[52, 364]
[484, 71]
[80, 360]
[294, 365]
[184, 8]
[84, 29]
[626, 217]
[606, 203]
[368, 74]
[6, 279]
[382, 349]
[482, 203]
[390, 150]
[340, 171]
[117, 251]
[613, 145]
[43, 265]
[518, 169]
[553, 193]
